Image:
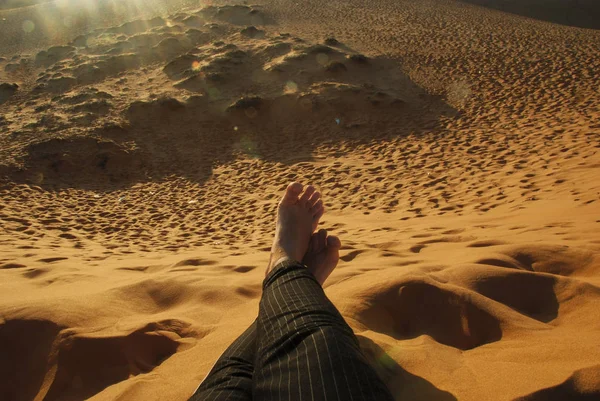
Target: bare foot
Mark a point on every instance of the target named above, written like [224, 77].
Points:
[298, 216]
[322, 255]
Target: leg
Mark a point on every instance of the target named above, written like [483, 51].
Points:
[231, 377]
[305, 349]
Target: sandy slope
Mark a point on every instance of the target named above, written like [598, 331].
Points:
[456, 146]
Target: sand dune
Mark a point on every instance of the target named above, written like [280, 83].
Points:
[582, 14]
[142, 154]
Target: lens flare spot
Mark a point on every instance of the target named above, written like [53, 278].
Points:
[249, 147]
[38, 178]
[386, 361]
[251, 112]
[291, 87]
[306, 103]
[196, 66]
[322, 59]
[235, 128]
[257, 20]
[213, 93]
[28, 26]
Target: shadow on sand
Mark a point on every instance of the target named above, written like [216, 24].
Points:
[225, 92]
[186, 136]
[402, 384]
[576, 13]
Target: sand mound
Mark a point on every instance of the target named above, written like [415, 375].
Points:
[27, 345]
[73, 161]
[69, 355]
[237, 14]
[54, 54]
[417, 308]
[121, 357]
[581, 385]
[138, 26]
[6, 91]
[327, 92]
[142, 156]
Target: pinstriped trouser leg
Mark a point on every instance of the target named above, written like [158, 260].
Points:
[230, 379]
[305, 349]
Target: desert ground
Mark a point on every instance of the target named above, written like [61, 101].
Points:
[144, 147]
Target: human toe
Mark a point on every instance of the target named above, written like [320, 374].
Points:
[322, 239]
[306, 195]
[313, 245]
[317, 207]
[317, 211]
[334, 242]
[291, 194]
[314, 198]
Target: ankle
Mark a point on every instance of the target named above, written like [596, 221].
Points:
[276, 258]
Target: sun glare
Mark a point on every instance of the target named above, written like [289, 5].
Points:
[63, 18]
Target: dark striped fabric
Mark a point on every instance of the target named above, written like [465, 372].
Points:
[299, 348]
[231, 377]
